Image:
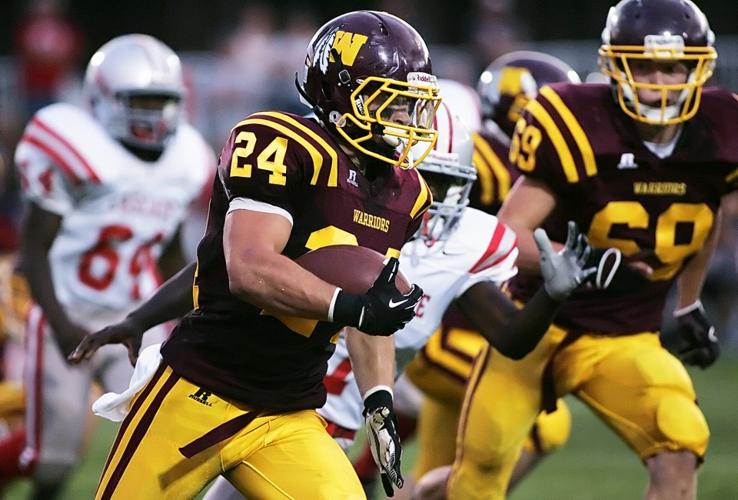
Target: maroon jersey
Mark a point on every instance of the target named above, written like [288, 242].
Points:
[495, 174]
[236, 349]
[576, 140]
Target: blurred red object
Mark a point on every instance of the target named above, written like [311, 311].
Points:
[48, 46]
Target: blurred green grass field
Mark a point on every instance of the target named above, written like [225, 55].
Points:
[594, 465]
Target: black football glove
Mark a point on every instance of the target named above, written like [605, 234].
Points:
[384, 441]
[383, 309]
[612, 273]
[695, 329]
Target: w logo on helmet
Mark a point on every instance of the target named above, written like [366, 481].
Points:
[347, 45]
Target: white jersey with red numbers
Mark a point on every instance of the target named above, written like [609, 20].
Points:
[479, 249]
[118, 211]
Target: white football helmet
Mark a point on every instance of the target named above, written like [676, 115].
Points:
[449, 172]
[464, 100]
[120, 75]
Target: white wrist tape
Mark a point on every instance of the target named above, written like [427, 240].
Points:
[378, 388]
[333, 304]
[688, 309]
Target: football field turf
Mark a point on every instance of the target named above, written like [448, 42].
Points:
[594, 465]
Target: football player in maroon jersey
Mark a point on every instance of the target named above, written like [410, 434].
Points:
[641, 164]
[242, 373]
[441, 370]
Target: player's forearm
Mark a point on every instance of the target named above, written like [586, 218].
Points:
[692, 278]
[39, 231]
[372, 359]
[171, 300]
[511, 331]
[36, 269]
[529, 204]
[276, 283]
[523, 331]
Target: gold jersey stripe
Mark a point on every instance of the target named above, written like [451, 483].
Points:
[392, 252]
[590, 166]
[333, 174]
[498, 168]
[423, 196]
[196, 288]
[314, 154]
[731, 176]
[484, 177]
[562, 150]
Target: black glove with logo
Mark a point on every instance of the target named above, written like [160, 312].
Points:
[699, 334]
[383, 309]
[612, 273]
[384, 441]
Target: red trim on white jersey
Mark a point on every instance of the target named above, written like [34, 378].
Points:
[450, 129]
[502, 243]
[34, 383]
[55, 141]
[335, 382]
[58, 160]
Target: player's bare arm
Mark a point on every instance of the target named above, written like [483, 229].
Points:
[692, 278]
[259, 274]
[373, 363]
[525, 208]
[39, 231]
[700, 344]
[372, 359]
[172, 300]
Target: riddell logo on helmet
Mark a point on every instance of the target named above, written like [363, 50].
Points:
[419, 78]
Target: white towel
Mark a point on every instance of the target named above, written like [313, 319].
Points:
[114, 406]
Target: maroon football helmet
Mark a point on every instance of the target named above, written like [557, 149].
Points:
[660, 31]
[511, 80]
[361, 68]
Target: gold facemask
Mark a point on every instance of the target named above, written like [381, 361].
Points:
[615, 62]
[374, 101]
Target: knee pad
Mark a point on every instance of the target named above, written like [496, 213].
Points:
[551, 430]
[682, 423]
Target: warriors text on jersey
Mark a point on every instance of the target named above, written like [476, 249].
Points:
[292, 165]
[576, 140]
[479, 249]
[118, 212]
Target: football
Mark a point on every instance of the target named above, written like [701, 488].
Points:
[350, 267]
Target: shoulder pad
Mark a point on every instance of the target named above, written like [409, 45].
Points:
[69, 136]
